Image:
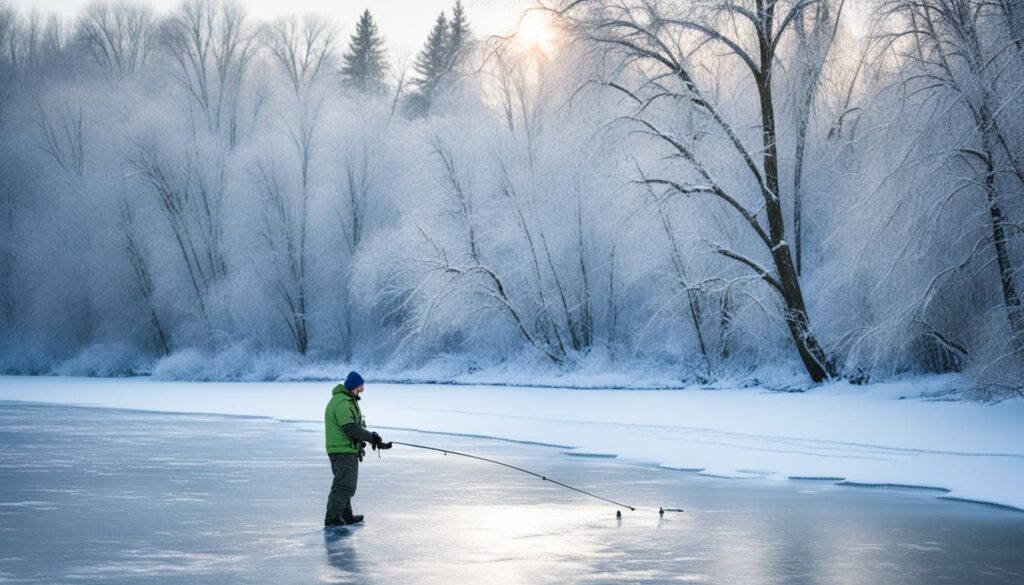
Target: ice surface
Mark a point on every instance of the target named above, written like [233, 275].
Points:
[105, 496]
[861, 434]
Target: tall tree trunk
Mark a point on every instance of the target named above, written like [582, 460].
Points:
[811, 353]
[1011, 298]
[801, 142]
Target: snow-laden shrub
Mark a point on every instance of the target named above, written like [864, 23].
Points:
[187, 364]
[996, 369]
[316, 372]
[104, 360]
[237, 363]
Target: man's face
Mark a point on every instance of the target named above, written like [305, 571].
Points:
[358, 390]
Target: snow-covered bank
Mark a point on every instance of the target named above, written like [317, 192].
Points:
[243, 362]
[857, 434]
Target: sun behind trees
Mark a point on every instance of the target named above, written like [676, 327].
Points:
[721, 189]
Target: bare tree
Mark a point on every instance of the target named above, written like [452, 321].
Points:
[303, 48]
[141, 270]
[118, 35]
[285, 223]
[567, 322]
[190, 194]
[949, 55]
[63, 140]
[26, 41]
[31, 42]
[280, 235]
[401, 72]
[8, 32]
[487, 286]
[815, 28]
[55, 38]
[210, 45]
[461, 269]
[685, 284]
[8, 42]
[516, 82]
[8, 248]
[1013, 13]
[660, 46]
[520, 88]
[355, 193]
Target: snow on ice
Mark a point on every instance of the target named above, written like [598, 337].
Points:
[865, 435]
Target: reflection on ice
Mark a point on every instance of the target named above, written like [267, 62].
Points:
[342, 556]
[105, 497]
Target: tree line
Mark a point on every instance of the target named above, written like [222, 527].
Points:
[717, 188]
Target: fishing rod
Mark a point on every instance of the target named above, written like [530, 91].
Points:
[527, 471]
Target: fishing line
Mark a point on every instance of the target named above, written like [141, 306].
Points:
[520, 469]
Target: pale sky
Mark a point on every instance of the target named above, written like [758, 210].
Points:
[404, 23]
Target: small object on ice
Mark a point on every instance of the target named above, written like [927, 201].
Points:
[618, 514]
[661, 511]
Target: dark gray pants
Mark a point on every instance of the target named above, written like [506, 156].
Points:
[345, 467]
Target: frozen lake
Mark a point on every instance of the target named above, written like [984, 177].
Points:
[91, 495]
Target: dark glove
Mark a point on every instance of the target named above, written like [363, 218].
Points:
[378, 443]
[375, 439]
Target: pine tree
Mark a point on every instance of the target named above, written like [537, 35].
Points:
[441, 56]
[458, 36]
[431, 66]
[364, 64]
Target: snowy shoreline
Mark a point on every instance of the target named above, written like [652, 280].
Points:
[856, 435]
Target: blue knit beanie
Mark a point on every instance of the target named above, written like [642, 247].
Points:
[353, 381]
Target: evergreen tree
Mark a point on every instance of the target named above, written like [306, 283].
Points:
[441, 56]
[364, 63]
[458, 36]
[432, 64]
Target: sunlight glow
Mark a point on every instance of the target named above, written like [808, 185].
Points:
[536, 33]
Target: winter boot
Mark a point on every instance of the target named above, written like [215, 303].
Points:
[333, 521]
[352, 519]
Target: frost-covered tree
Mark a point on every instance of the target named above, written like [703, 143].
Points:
[431, 67]
[659, 44]
[673, 185]
[142, 269]
[364, 63]
[188, 186]
[815, 30]
[302, 48]
[8, 30]
[439, 62]
[210, 45]
[962, 179]
[118, 35]
[459, 37]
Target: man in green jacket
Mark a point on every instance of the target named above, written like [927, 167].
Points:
[346, 434]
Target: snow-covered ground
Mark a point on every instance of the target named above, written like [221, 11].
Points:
[857, 434]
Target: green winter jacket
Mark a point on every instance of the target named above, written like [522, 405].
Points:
[344, 426]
